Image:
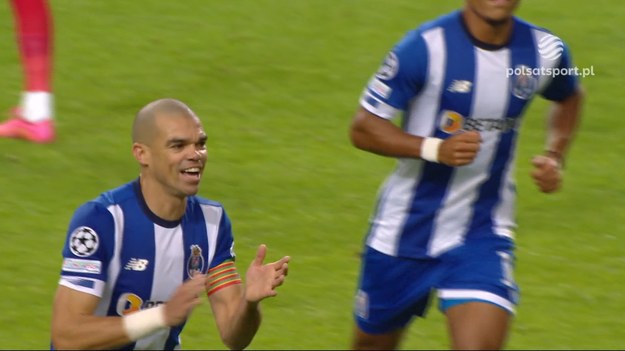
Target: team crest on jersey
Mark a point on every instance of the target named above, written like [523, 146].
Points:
[195, 264]
[84, 242]
[524, 85]
[389, 68]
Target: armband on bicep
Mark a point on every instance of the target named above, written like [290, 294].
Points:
[221, 276]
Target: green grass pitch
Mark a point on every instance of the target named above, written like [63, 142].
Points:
[276, 83]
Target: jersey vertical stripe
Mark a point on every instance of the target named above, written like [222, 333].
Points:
[147, 258]
[114, 265]
[213, 217]
[446, 82]
[398, 191]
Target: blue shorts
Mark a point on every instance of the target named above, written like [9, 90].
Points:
[393, 290]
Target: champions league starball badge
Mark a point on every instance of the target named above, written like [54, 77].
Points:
[83, 242]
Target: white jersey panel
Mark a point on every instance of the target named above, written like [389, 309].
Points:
[421, 119]
[212, 217]
[396, 197]
[114, 265]
[398, 191]
[504, 212]
[490, 101]
[169, 243]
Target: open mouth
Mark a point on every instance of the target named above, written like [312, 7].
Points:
[194, 172]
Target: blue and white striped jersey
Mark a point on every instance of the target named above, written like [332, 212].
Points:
[445, 81]
[120, 251]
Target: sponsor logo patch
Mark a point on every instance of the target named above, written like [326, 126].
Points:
[82, 266]
[136, 264]
[550, 47]
[128, 303]
[452, 122]
[460, 86]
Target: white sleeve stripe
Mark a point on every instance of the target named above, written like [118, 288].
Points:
[381, 109]
[73, 283]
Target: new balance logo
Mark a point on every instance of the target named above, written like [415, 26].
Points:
[460, 86]
[136, 264]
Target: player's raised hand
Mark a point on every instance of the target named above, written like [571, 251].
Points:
[261, 280]
[460, 149]
[184, 300]
[547, 173]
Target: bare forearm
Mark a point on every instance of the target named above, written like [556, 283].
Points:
[244, 325]
[379, 136]
[89, 333]
[563, 122]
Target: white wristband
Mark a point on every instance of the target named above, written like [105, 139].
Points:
[143, 323]
[429, 149]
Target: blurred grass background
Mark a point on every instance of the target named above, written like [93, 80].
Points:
[276, 83]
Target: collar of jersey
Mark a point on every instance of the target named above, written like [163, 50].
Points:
[480, 44]
[146, 210]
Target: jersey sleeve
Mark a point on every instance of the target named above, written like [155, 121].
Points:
[88, 249]
[399, 79]
[562, 85]
[224, 249]
[222, 272]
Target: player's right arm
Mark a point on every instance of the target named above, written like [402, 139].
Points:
[372, 133]
[390, 91]
[74, 325]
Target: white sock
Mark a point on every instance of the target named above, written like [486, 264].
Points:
[37, 106]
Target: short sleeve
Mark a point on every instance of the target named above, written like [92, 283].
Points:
[399, 79]
[88, 249]
[564, 84]
[222, 272]
[224, 249]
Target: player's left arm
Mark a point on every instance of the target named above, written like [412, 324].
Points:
[236, 307]
[563, 120]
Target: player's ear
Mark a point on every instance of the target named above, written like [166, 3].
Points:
[141, 153]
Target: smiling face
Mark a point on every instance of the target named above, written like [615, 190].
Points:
[170, 145]
[177, 154]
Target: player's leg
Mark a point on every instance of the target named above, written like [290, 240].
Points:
[385, 341]
[391, 292]
[478, 325]
[32, 120]
[479, 295]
